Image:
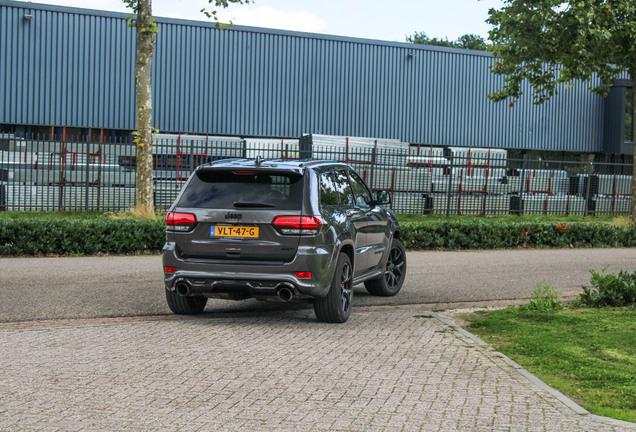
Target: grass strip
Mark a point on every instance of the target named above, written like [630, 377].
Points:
[587, 354]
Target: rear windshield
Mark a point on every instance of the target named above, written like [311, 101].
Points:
[244, 189]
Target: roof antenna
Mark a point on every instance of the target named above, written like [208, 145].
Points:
[258, 160]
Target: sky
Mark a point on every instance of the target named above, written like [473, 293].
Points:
[369, 19]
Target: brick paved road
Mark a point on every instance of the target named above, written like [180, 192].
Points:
[390, 370]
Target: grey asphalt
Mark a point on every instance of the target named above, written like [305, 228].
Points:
[95, 287]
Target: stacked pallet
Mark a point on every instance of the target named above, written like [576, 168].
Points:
[272, 148]
[37, 197]
[388, 152]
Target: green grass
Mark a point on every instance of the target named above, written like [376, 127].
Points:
[70, 215]
[587, 354]
[66, 215]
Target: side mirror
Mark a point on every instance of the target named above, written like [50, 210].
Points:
[383, 197]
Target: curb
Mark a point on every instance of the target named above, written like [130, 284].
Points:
[557, 394]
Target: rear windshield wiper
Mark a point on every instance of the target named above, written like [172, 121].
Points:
[252, 204]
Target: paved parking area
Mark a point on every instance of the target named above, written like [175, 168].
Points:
[386, 369]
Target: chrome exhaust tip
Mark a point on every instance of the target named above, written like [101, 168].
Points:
[285, 294]
[183, 289]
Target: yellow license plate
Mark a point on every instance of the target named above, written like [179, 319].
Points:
[234, 231]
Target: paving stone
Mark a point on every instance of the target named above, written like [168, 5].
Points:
[382, 370]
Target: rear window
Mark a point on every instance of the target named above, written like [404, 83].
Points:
[244, 189]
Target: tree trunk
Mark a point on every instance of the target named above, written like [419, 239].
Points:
[143, 68]
[632, 213]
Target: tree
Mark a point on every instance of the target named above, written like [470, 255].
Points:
[551, 42]
[467, 41]
[147, 30]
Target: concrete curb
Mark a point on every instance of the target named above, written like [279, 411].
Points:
[557, 394]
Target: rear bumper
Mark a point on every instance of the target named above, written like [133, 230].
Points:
[237, 281]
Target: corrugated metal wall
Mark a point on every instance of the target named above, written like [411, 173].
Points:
[74, 67]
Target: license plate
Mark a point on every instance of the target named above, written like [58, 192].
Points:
[234, 231]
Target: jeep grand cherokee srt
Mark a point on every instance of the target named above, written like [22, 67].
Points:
[283, 230]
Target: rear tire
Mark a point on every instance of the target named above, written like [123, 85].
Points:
[336, 306]
[390, 283]
[185, 305]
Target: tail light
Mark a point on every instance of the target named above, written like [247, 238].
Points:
[297, 225]
[180, 221]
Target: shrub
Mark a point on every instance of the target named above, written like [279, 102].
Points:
[545, 299]
[128, 235]
[79, 237]
[494, 234]
[609, 290]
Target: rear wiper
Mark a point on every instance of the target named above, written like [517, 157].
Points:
[252, 204]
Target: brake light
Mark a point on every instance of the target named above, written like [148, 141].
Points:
[244, 172]
[303, 275]
[169, 269]
[176, 221]
[297, 224]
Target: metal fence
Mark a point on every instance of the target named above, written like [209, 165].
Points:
[73, 175]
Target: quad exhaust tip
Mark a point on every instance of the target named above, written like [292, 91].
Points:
[285, 294]
[183, 289]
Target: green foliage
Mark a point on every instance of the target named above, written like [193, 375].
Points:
[609, 290]
[471, 233]
[58, 214]
[223, 4]
[79, 237]
[63, 236]
[588, 354]
[549, 42]
[545, 299]
[154, 28]
[467, 41]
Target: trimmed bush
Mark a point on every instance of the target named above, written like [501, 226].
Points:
[88, 237]
[79, 237]
[494, 234]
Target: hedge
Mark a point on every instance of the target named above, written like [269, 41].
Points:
[494, 234]
[79, 237]
[124, 236]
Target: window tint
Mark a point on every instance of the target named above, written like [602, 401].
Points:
[328, 192]
[344, 188]
[359, 189]
[221, 189]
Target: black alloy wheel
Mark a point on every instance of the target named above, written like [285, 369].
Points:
[347, 287]
[335, 307]
[391, 281]
[394, 270]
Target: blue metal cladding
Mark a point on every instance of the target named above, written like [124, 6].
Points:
[74, 67]
[64, 68]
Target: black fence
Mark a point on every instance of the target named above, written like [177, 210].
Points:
[44, 175]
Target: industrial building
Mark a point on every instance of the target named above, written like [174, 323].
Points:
[69, 72]
[411, 119]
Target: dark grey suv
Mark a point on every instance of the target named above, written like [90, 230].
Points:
[283, 230]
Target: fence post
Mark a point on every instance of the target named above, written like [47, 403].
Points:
[87, 174]
[450, 186]
[589, 184]
[191, 157]
[524, 168]
[372, 168]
